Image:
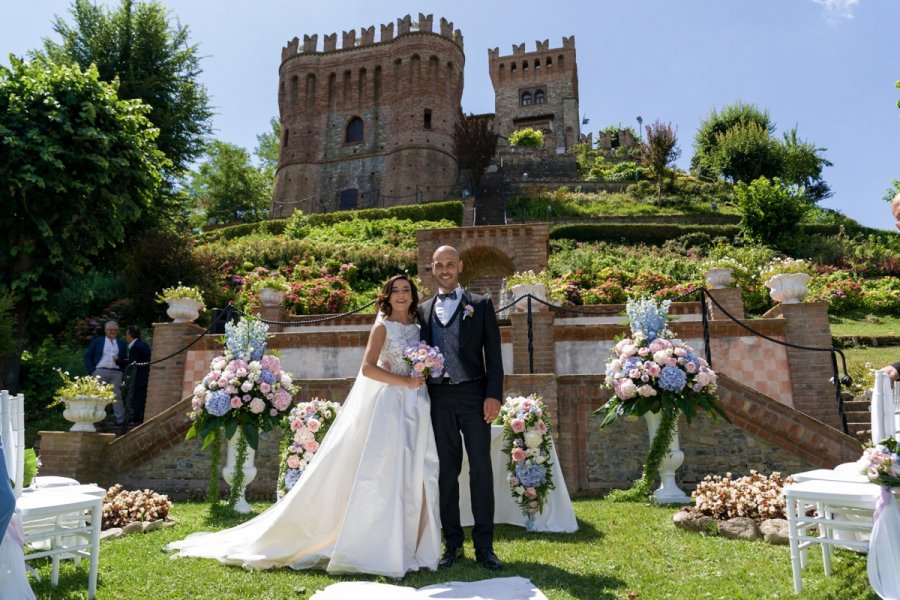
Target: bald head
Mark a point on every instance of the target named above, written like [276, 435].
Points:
[446, 252]
[446, 267]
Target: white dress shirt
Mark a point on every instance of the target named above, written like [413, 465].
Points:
[445, 308]
[110, 352]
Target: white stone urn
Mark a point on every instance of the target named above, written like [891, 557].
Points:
[241, 506]
[718, 278]
[84, 411]
[788, 288]
[183, 310]
[271, 297]
[668, 492]
[538, 290]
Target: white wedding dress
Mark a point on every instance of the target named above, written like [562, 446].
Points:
[368, 501]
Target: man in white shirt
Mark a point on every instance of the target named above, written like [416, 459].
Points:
[103, 359]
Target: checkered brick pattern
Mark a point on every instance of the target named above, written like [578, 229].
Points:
[196, 367]
[756, 363]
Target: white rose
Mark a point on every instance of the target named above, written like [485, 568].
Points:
[533, 438]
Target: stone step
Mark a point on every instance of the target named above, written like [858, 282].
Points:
[857, 405]
[858, 416]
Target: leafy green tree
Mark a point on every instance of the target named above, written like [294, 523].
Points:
[527, 138]
[661, 151]
[229, 188]
[770, 209]
[745, 152]
[707, 138]
[802, 164]
[268, 145]
[476, 144]
[153, 60]
[77, 165]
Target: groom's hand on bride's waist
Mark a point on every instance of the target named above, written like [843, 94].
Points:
[491, 409]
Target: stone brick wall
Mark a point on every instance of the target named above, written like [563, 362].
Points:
[406, 88]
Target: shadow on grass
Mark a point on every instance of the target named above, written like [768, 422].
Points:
[586, 533]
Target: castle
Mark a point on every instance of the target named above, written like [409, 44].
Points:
[371, 123]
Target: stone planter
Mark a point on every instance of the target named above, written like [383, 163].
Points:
[271, 297]
[538, 290]
[84, 411]
[668, 492]
[183, 310]
[718, 278]
[788, 288]
[241, 506]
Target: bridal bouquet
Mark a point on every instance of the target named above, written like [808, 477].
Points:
[424, 359]
[245, 387]
[881, 464]
[303, 432]
[526, 434]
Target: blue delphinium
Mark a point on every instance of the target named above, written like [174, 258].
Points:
[531, 475]
[218, 403]
[647, 318]
[247, 339]
[672, 379]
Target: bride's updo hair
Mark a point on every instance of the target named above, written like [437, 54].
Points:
[384, 298]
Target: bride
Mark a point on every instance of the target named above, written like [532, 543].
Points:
[368, 501]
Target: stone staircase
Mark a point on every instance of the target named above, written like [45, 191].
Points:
[859, 418]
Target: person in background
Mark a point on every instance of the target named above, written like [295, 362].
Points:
[893, 371]
[104, 358]
[138, 352]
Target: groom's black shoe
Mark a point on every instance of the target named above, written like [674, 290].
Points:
[449, 557]
[488, 560]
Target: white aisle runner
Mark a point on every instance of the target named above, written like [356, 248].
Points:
[501, 588]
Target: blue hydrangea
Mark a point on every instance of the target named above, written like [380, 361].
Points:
[672, 379]
[632, 363]
[218, 403]
[531, 475]
[267, 376]
[291, 477]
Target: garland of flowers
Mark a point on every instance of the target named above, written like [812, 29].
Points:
[653, 371]
[237, 480]
[526, 434]
[302, 433]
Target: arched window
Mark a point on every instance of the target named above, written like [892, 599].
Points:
[512, 67]
[526, 98]
[354, 130]
[539, 97]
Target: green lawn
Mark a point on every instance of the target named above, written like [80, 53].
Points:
[865, 327]
[626, 550]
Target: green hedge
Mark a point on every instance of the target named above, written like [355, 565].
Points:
[648, 233]
[451, 210]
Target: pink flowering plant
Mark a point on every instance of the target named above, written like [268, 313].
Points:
[653, 371]
[302, 434]
[526, 433]
[424, 360]
[245, 387]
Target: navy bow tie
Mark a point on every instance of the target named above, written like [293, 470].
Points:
[451, 295]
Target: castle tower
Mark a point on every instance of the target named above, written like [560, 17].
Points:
[539, 90]
[369, 123]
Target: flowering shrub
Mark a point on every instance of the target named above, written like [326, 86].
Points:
[754, 496]
[79, 332]
[652, 371]
[526, 433]
[881, 464]
[839, 290]
[426, 360]
[86, 385]
[608, 292]
[882, 295]
[121, 507]
[648, 282]
[245, 387]
[302, 434]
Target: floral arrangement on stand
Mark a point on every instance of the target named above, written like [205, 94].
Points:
[653, 371]
[245, 391]
[302, 434]
[424, 360]
[881, 465]
[526, 433]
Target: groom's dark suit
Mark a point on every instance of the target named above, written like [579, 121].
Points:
[457, 407]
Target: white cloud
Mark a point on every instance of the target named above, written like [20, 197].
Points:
[838, 9]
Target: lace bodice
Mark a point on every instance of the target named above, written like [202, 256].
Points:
[399, 337]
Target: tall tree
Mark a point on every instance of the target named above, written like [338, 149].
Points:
[708, 136]
[476, 144]
[77, 165]
[229, 188]
[154, 61]
[802, 164]
[662, 150]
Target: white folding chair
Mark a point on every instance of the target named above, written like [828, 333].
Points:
[837, 506]
[884, 408]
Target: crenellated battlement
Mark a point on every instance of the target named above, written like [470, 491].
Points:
[350, 40]
[541, 47]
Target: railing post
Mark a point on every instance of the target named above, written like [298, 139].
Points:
[704, 317]
[530, 338]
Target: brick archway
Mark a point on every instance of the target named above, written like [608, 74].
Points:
[489, 253]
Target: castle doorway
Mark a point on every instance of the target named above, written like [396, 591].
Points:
[349, 199]
[484, 268]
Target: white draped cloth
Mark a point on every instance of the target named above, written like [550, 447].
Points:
[13, 581]
[883, 563]
[502, 588]
[368, 501]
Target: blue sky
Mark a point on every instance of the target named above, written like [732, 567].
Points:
[827, 66]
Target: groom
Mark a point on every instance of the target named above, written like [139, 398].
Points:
[465, 400]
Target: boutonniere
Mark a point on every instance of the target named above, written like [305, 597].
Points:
[468, 311]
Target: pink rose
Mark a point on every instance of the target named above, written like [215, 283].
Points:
[235, 402]
[314, 425]
[282, 403]
[518, 454]
[296, 424]
[265, 388]
[533, 504]
[517, 425]
[311, 446]
[419, 367]
[531, 493]
[653, 369]
[642, 352]
[672, 361]
[514, 481]
[690, 367]
[293, 461]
